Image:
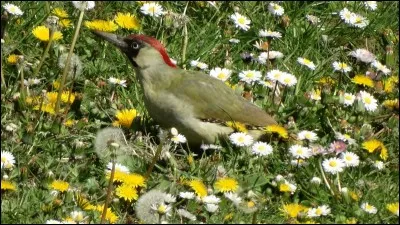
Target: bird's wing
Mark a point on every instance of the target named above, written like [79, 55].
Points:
[215, 100]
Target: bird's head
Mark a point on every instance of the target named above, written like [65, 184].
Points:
[143, 51]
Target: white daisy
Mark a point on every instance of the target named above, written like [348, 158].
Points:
[234, 40]
[261, 149]
[31, 81]
[322, 210]
[333, 165]
[316, 180]
[221, 73]
[241, 139]
[152, 9]
[371, 5]
[269, 34]
[198, 64]
[287, 79]
[241, 21]
[306, 62]
[205, 147]
[369, 208]
[358, 21]
[211, 208]
[187, 195]
[350, 159]
[275, 75]
[250, 76]
[169, 198]
[380, 67]
[211, 199]
[84, 5]
[370, 103]
[300, 152]
[118, 167]
[13, 9]
[177, 139]
[115, 81]
[315, 95]
[7, 160]
[77, 216]
[363, 55]
[309, 135]
[341, 66]
[276, 9]
[186, 214]
[379, 165]
[275, 54]
[161, 209]
[11, 127]
[313, 19]
[299, 162]
[266, 83]
[346, 15]
[234, 197]
[348, 99]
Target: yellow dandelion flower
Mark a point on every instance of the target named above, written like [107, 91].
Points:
[393, 208]
[110, 215]
[237, 126]
[228, 217]
[134, 180]
[116, 123]
[226, 184]
[101, 25]
[198, 187]
[7, 185]
[354, 195]
[59, 12]
[125, 117]
[293, 209]
[59, 185]
[65, 23]
[281, 131]
[127, 21]
[12, 59]
[127, 192]
[82, 202]
[51, 97]
[284, 187]
[69, 123]
[42, 33]
[390, 83]
[119, 176]
[363, 80]
[65, 96]
[326, 81]
[49, 108]
[56, 84]
[391, 104]
[373, 144]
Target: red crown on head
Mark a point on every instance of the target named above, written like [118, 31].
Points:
[155, 44]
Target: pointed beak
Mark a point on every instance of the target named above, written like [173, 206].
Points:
[113, 38]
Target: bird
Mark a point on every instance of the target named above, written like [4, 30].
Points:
[196, 104]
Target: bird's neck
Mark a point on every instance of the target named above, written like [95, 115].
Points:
[155, 77]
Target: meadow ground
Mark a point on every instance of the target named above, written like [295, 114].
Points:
[78, 146]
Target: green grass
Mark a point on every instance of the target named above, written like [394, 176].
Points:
[45, 149]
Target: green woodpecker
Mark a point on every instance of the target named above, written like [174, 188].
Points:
[195, 103]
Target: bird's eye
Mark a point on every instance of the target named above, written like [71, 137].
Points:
[135, 45]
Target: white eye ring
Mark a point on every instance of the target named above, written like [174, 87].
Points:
[135, 45]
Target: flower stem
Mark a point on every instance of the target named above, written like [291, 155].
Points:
[109, 190]
[338, 180]
[185, 39]
[324, 177]
[45, 52]
[153, 162]
[66, 68]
